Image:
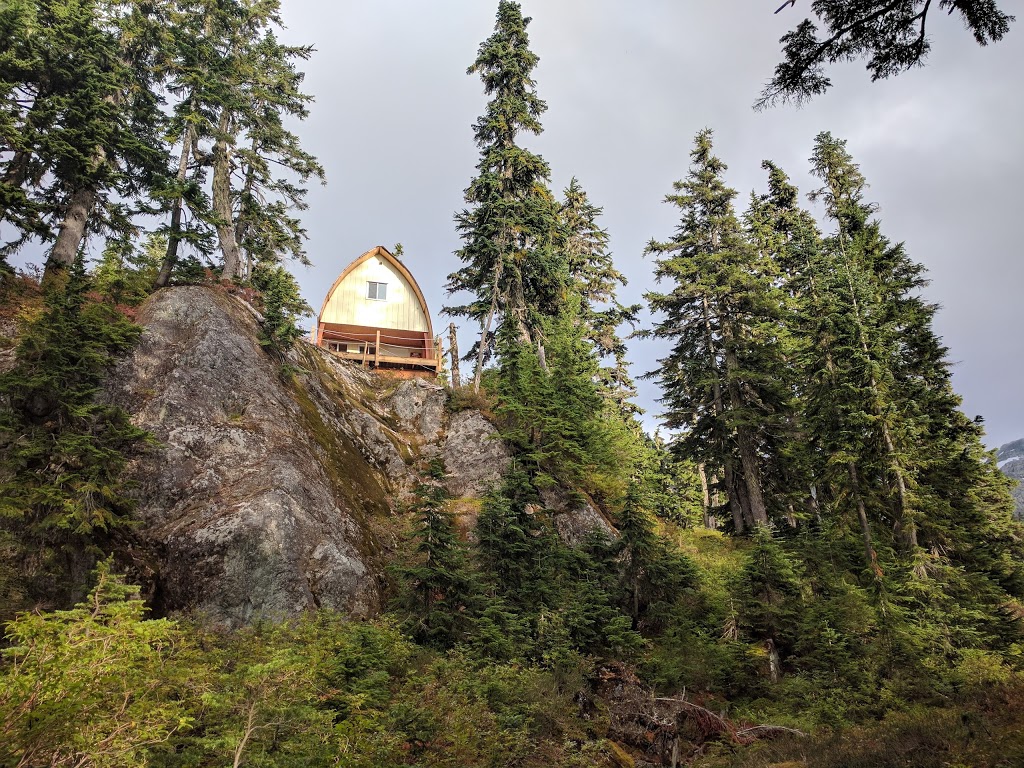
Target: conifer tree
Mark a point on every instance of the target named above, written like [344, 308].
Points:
[831, 459]
[512, 268]
[238, 85]
[61, 450]
[653, 575]
[720, 380]
[910, 424]
[283, 305]
[88, 150]
[596, 281]
[769, 587]
[442, 592]
[196, 76]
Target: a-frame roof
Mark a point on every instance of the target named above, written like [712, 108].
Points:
[381, 252]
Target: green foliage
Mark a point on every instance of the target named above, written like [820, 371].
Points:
[439, 591]
[547, 600]
[102, 685]
[889, 36]
[125, 274]
[770, 599]
[596, 280]
[555, 417]
[63, 449]
[654, 576]
[91, 685]
[283, 305]
[512, 266]
[724, 380]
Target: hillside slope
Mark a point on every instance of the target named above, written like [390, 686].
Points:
[270, 489]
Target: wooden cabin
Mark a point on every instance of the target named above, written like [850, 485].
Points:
[375, 314]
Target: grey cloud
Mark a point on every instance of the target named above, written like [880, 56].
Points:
[628, 85]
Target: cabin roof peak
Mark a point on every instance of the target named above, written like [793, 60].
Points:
[375, 314]
[381, 252]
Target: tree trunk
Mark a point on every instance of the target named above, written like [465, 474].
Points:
[486, 328]
[737, 503]
[774, 662]
[736, 497]
[71, 234]
[243, 224]
[756, 512]
[171, 257]
[453, 352]
[865, 528]
[222, 206]
[706, 495]
[16, 174]
[751, 478]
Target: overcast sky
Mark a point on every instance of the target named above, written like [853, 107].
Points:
[627, 86]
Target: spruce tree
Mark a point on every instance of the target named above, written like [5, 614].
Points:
[769, 588]
[512, 268]
[874, 277]
[239, 85]
[596, 280]
[720, 381]
[62, 449]
[441, 592]
[915, 433]
[653, 575]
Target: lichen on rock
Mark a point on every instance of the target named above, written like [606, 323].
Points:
[237, 501]
[272, 490]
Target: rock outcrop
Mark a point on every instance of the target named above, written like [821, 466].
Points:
[243, 511]
[576, 518]
[473, 455]
[272, 486]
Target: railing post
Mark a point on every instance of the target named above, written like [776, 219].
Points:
[376, 352]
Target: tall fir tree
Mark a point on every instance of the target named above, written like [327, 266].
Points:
[720, 381]
[238, 85]
[512, 268]
[82, 122]
[914, 437]
[596, 280]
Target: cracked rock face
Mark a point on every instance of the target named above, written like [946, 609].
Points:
[576, 519]
[264, 496]
[238, 505]
[473, 455]
[420, 407]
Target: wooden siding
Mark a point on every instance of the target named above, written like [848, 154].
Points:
[348, 304]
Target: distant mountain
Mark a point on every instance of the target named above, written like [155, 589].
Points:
[1011, 461]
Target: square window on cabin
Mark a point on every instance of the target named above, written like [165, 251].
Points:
[378, 291]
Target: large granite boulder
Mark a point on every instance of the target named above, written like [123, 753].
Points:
[272, 486]
[250, 504]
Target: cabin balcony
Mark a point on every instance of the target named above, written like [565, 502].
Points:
[385, 349]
